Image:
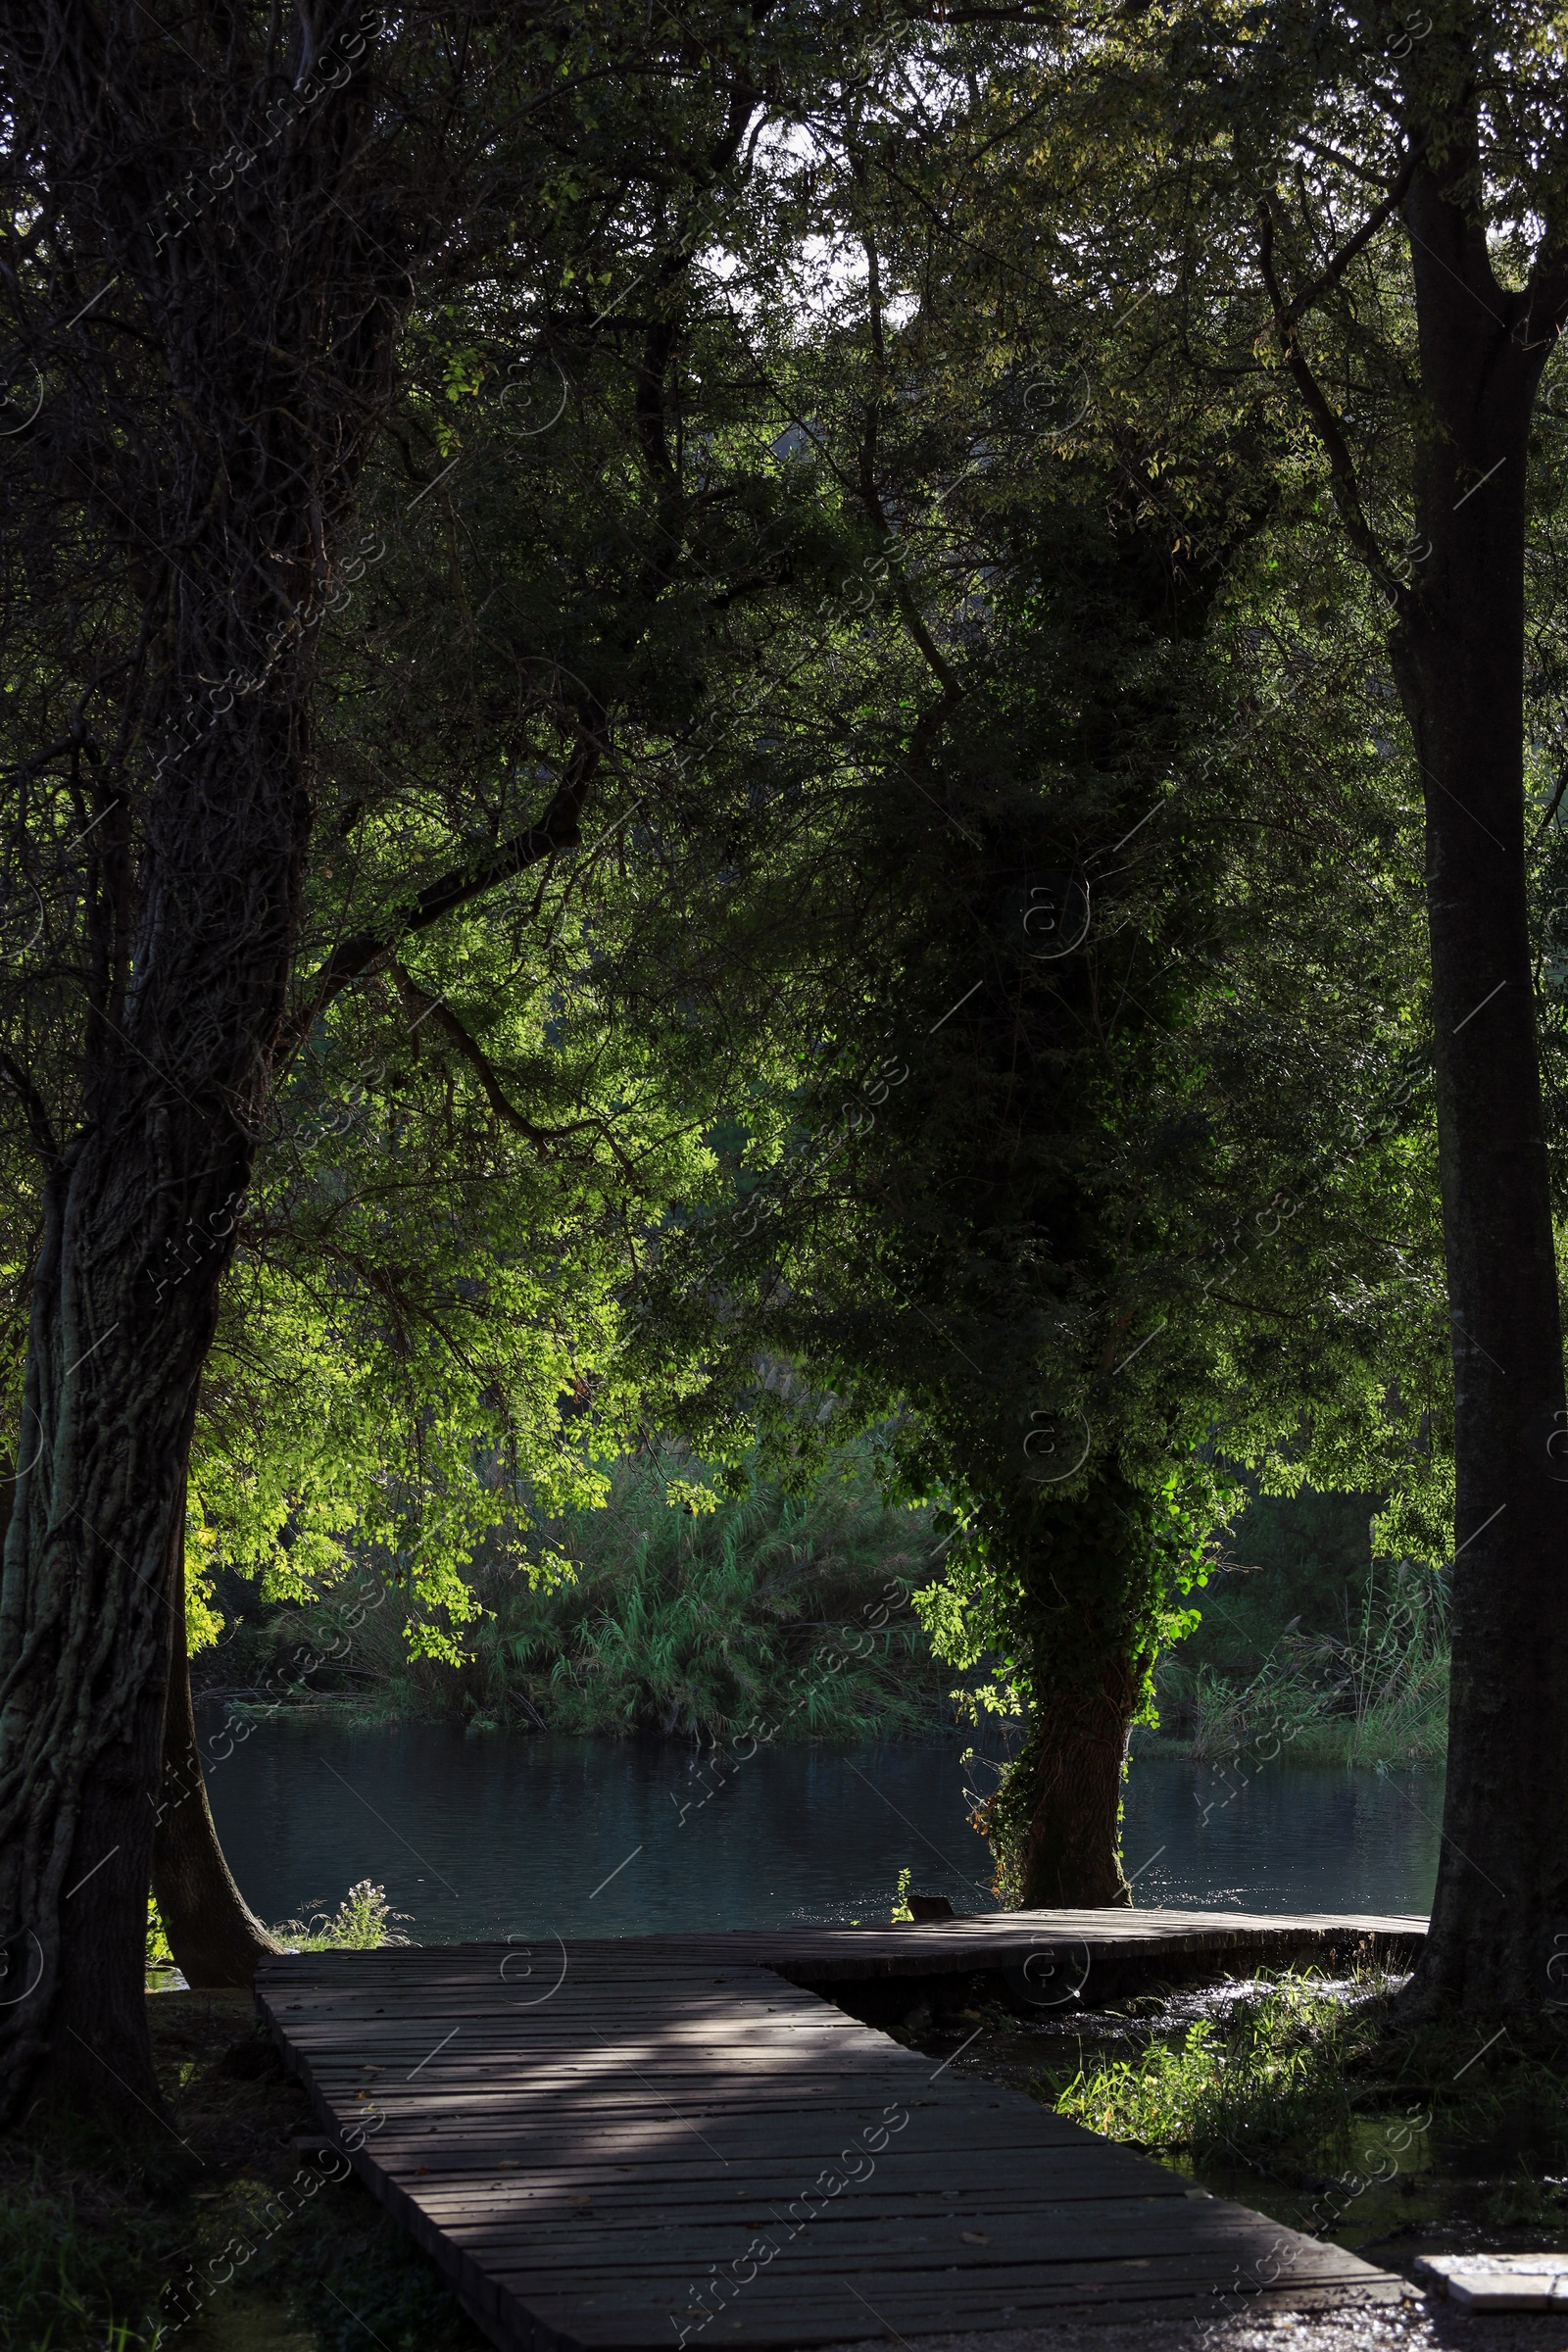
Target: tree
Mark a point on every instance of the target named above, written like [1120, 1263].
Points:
[254, 309]
[416, 1334]
[1002, 1240]
[1367, 211]
[208, 357]
[550, 527]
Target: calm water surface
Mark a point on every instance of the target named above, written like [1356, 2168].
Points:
[496, 1835]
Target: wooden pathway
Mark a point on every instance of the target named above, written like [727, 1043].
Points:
[666, 2141]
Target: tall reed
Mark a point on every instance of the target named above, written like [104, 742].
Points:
[1376, 1694]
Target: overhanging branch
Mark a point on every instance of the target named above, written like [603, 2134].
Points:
[558, 829]
[439, 1012]
[1338, 263]
[1342, 466]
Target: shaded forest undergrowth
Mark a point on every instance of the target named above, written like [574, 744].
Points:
[796, 1611]
[217, 2232]
[1311, 2100]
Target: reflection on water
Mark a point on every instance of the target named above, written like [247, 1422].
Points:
[1292, 1837]
[500, 1835]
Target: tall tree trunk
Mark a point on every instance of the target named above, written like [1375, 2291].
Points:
[229, 407]
[115, 1358]
[1459, 653]
[213, 1932]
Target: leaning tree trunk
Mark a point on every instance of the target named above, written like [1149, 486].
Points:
[213, 1932]
[230, 374]
[1501, 1900]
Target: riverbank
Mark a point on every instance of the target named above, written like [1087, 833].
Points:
[639, 1617]
[1311, 2100]
[1249, 2329]
[700, 1624]
[1373, 1694]
[1307, 1647]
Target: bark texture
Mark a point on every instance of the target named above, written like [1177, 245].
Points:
[1459, 655]
[242, 342]
[1090, 1576]
[1069, 1854]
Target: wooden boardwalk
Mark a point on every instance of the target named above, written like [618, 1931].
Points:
[662, 2142]
[1061, 1955]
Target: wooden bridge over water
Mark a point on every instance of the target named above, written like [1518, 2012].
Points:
[678, 2140]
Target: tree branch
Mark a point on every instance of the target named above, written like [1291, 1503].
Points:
[437, 1011]
[1338, 263]
[1342, 468]
[352, 958]
[1556, 800]
[903, 595]
[32, 1103]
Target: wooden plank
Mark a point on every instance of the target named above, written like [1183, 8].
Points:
[1104, 2229]
[580, 2166]
[565, 2199]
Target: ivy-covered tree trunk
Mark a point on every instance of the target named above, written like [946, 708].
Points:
[1091, 1573]
[1065, 1792]
[213, 1932]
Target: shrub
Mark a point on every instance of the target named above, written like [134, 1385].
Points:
[1273, 2075]
[359, 1923]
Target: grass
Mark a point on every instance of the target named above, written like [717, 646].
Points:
[691, 1624]
[362, 1923]
[83, 2261]
[1375, 1693]
[1274, 2076]
[1306, 2085]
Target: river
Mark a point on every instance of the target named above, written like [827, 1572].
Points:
[486, 1836]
